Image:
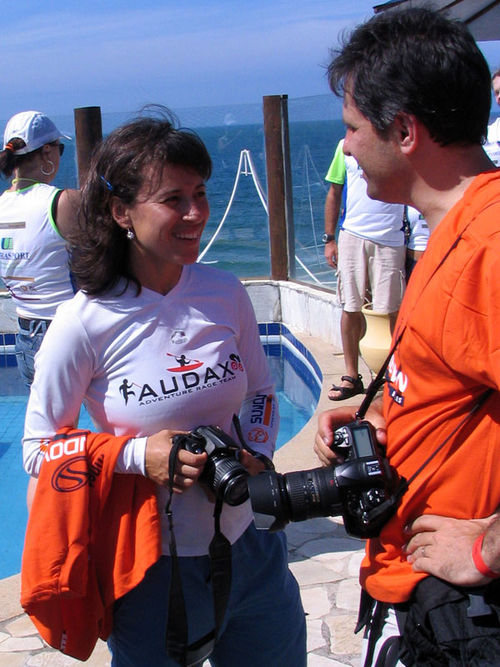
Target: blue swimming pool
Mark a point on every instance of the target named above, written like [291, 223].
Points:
[297, 377]
[298, 383]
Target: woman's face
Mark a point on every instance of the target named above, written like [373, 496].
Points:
[167, 222]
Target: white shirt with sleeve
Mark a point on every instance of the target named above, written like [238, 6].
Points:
[34, 260]
[419, 230]
[366, 218]
[492, 145]
[145, 363]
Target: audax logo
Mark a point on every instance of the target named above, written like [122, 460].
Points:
[186, 377]
[7, 243]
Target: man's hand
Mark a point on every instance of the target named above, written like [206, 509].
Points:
[330, 420]
[188, 466]
[331, 253]
[442, 546]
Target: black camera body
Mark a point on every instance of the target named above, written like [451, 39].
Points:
[223, 474]
[362, 489]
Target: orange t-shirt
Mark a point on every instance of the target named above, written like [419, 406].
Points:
[448, 356]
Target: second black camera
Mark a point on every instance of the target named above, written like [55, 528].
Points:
[364, 489]
[223, 474]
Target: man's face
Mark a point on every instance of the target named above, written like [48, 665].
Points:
[495, 84]
[376, 155]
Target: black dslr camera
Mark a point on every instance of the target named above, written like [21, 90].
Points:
[364, 489]
[223, 474]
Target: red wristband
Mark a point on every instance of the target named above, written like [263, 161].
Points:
[478, 559]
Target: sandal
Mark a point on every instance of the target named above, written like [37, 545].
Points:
[347, 392]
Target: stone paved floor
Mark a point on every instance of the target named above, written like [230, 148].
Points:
[322, 557]
[324, 561]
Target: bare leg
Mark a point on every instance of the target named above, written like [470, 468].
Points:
[352, 326]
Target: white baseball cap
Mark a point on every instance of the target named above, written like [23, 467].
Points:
[34, 128]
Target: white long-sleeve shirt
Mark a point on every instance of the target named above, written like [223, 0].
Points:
[149, 362]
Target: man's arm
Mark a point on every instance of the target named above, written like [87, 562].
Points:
[443, 547]
[333, 204]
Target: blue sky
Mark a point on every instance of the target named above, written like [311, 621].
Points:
[122, 54]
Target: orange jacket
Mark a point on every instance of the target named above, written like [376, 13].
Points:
[91, 536]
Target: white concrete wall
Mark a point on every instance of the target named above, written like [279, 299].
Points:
[304, 308]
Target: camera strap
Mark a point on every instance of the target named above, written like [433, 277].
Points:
[379, 380]
[189, 655]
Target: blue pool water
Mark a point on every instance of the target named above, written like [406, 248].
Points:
[298, 384]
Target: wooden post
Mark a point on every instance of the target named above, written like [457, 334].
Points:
[279, 187]
[88, 133]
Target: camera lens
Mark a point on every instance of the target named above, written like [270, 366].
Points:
[270, 503]
[296, 496]
[228, 479]
[236, 491]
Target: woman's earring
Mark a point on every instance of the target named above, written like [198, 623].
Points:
[130, 234]
[52, 169]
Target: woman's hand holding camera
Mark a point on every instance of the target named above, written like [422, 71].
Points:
[188, 466]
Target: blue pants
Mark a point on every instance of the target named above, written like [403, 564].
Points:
[27, 345]
[264, 622]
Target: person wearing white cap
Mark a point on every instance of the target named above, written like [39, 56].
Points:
[35, 221]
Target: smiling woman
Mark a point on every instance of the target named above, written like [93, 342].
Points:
[164, 225]
[156, 345]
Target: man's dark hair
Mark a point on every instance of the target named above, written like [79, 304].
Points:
[419, 62]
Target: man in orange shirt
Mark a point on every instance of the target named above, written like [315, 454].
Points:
[416, 94]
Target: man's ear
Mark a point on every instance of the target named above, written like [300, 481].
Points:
[120, 212]
[406, 128]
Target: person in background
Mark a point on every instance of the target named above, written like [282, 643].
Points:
[416, 123]
[492, 146]
[35, 220]
[370, 254]
[417, 239]
[155, 345]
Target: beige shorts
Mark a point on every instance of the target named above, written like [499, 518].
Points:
[364, 265]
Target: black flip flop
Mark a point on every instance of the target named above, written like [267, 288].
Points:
[347, 392]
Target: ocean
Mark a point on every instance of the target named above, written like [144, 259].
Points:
[242, 244]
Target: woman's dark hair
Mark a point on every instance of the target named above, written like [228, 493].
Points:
[9, 160]
[119, 168]
[419, 62]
